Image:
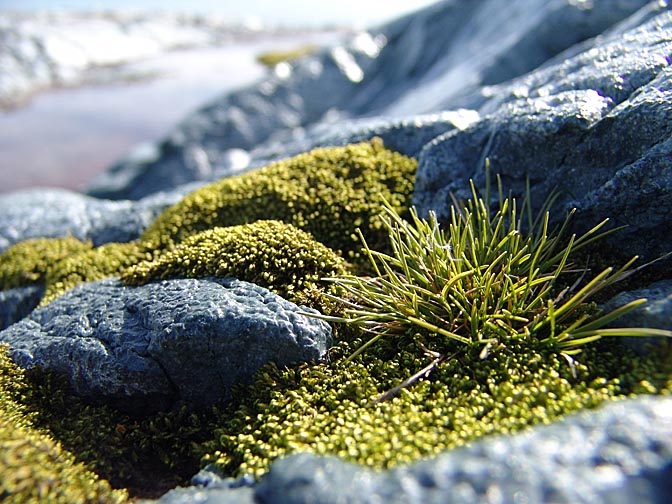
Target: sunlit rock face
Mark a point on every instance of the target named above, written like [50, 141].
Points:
[443, 58]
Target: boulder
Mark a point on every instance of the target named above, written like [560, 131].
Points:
[55, 213]
[620, 453]
[174, 340]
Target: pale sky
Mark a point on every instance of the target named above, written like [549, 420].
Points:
[358, 12]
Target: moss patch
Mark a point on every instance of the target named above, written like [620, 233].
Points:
[328, 192]
[27, 262]
[323, 410]
[33, 466]
[272, 254]
[91, 265]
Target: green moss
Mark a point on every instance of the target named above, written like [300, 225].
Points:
[323, 410]
[91, 265]
[28, 262]
[33, 466]
[272, 58]
[328, 192]
[272, 254]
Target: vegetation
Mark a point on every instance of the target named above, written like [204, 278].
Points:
[484, 283]
[272, 58]
[480, 315]
[272, 254]
[34, 467]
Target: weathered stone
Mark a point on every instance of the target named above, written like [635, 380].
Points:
[184, 339]
[596, 127]
[52, 213]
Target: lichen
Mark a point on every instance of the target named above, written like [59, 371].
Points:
[327, 192]
[323, 409]
[34, 467]
[271, 254]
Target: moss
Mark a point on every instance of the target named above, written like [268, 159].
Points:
[328, 192]
[91, 265]
[272, 254]
[272, 58]
[323, 409]
[33, 466]
[28, 262]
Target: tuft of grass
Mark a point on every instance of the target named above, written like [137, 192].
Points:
[487, 281]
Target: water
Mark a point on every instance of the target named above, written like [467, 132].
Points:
[64, 138]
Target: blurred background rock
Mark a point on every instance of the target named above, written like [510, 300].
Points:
[83, 83]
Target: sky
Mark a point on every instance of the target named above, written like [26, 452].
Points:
[287, 12]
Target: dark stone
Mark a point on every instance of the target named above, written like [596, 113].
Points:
[174, 340]
[596, 127]
[17, 303]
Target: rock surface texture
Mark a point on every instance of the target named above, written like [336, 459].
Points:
[174, 340]
[574, 96]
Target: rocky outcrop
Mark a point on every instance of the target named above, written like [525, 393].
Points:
[435, 60]
[174, 340]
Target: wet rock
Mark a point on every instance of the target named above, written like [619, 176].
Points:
[174, 340]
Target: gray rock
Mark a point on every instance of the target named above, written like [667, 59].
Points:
[596, 127]
[621, 453]
[17, 303]
[656, 313]
[52, 213]
[431, 61]
[174, 340]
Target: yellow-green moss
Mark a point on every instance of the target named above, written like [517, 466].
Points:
[272, 254]
[272, 58]
[27, 262]
[328, 192]
[33, 467]
[91, 265]
[323, 410]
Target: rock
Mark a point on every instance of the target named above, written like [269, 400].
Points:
[17, 303]
[594, 126]
[174, 340]
[619, 453]
[656, 313]
[54, 213]
[431, 61]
